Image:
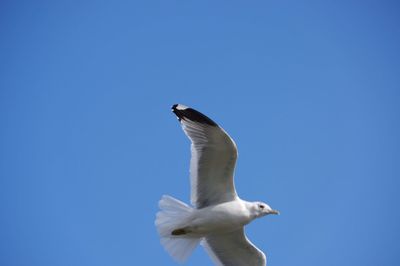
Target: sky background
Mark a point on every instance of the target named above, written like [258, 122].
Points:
[309, 90]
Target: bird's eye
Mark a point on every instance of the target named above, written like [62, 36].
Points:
[261, 206]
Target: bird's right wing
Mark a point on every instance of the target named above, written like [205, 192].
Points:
[233, 249]
[213, 159]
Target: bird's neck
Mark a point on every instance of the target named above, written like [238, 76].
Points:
[249, 206]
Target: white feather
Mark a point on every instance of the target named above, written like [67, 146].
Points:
[174, 214]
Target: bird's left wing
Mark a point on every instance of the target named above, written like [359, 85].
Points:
[233, 249]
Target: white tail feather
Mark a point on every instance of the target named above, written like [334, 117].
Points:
[174, 215]
[180, 248]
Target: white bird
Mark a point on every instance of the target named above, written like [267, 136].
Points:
[219, 216]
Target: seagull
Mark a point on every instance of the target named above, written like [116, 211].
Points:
[218, 217]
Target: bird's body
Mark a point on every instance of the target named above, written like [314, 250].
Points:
[219, 215]
[221, 218]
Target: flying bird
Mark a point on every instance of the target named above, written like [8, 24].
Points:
[218, 218]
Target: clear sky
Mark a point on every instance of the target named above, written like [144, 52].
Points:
[308, 89]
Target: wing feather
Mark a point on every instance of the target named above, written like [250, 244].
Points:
[213, 159]
[233, 249]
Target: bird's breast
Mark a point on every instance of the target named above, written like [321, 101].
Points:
[221, 218]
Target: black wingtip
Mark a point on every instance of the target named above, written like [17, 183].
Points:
[175, 110]
[187, 113]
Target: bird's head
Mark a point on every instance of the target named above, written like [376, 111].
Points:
[260, 209]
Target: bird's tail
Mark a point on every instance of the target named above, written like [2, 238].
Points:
[170, 222]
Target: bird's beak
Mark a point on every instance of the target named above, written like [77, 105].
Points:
[274, 212]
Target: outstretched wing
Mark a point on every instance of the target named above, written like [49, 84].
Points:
[233, 249]
[213, 159]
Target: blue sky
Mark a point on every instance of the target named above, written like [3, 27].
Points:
[309, 90]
